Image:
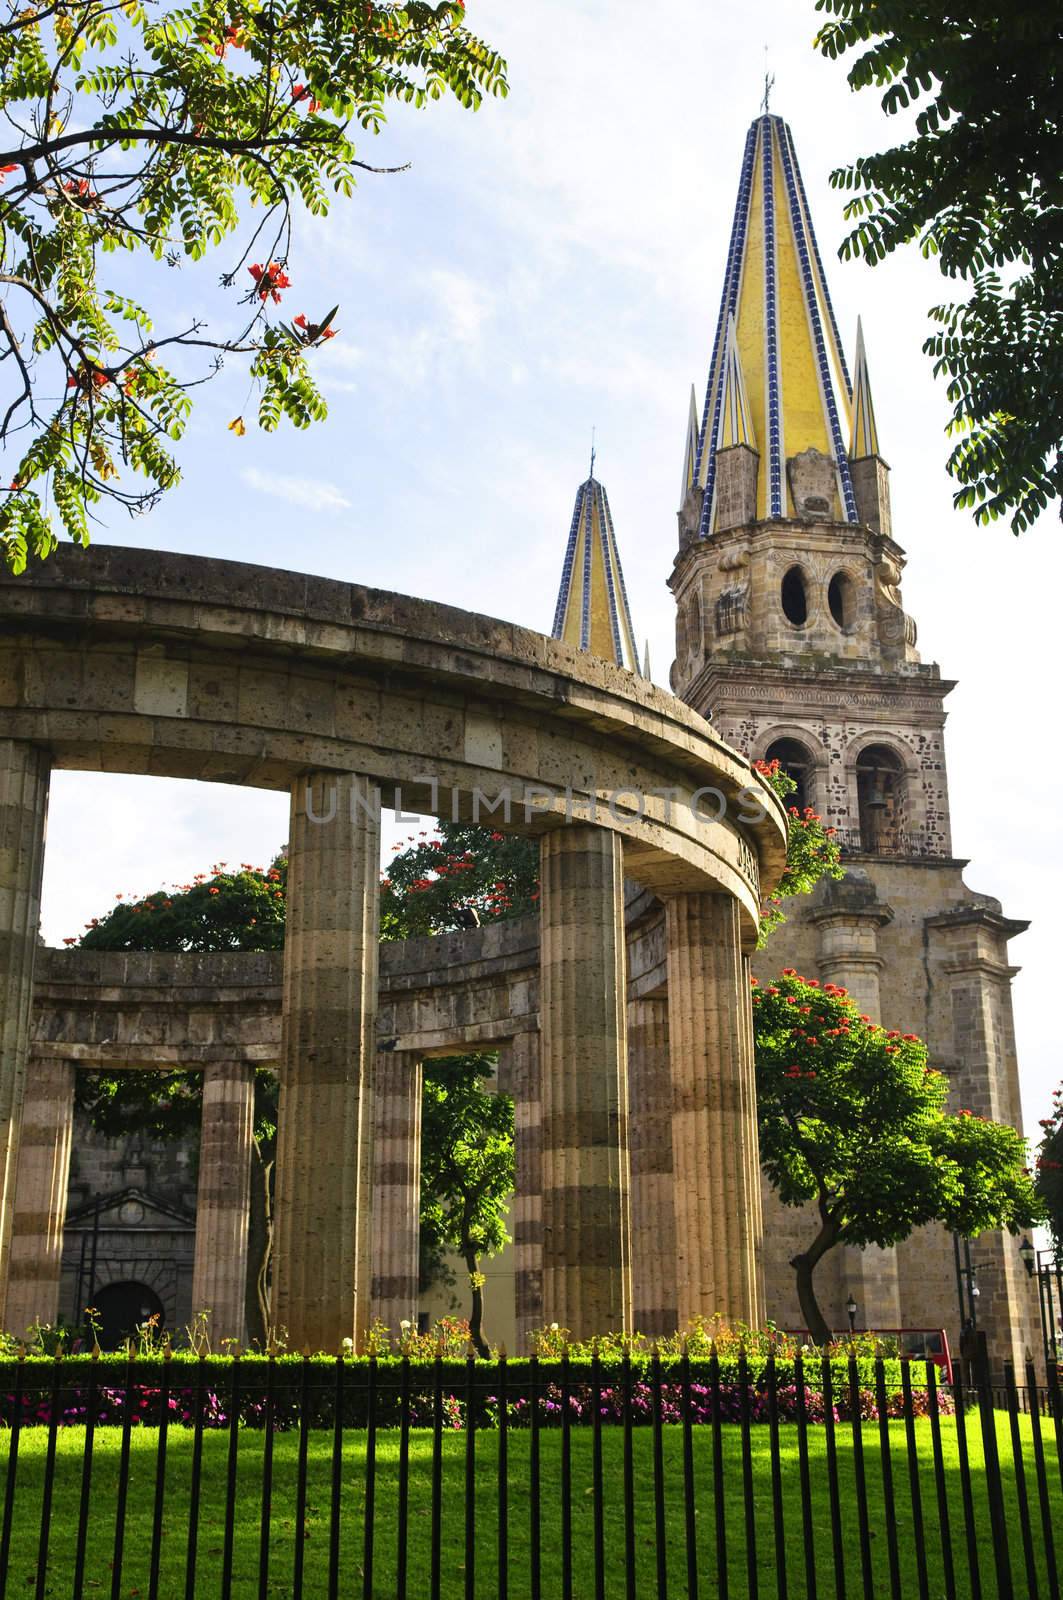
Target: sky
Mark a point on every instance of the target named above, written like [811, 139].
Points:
[549, 265]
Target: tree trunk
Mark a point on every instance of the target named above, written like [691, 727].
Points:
[804, 1265]
[260, 1244]
[476, 1317]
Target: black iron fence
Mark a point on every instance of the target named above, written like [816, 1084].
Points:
[178, 1478]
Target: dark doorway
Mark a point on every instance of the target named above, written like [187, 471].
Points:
[121, 1308]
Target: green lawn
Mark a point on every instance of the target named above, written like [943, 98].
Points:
[315, 1535]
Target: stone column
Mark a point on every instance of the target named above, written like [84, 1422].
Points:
[395, 1284]
[585, 1174]
[520, 1071]
[714, 1130]
[223, 1197]
[325, 1133]
[652, 1182]
[40, 1195]
[24, 775]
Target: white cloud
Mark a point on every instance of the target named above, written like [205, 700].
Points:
[313, 494]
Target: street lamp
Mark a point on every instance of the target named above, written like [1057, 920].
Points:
[966, 1281]
[850, 1307]
[1047, 1267]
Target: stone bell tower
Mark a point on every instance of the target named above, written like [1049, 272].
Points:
[791, 635]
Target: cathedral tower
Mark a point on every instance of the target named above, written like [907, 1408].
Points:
[791, 635]
[592, 606]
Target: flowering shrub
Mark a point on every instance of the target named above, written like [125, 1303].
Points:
[147, 1405]
[1049, 1165]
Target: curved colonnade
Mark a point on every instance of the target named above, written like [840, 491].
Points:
[348, 698]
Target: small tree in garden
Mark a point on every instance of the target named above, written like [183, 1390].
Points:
[1050, 1168]
[467, 1171]
[853, 1121]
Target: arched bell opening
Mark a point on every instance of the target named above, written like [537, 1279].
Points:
[880, 789]
[795, 759]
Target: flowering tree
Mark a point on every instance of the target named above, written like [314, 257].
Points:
[812, 851]
[467, 1172]
[133, 127]
[853, 1121]
[455, 876]
[1050, 1167]
[225, 909]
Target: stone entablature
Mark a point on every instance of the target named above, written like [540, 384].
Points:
[134, 661]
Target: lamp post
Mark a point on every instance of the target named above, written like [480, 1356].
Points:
[966, 1283]
[850, 1307]
[1047, 1267]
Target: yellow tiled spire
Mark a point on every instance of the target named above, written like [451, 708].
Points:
[864, 440]
[592, 606]
[777, 330]
[736, 422]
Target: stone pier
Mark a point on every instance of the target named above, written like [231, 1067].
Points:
[652, 1201]
[325, 1125]
[714, 1131]
[520, 1070]
[223, 1198]
[396, 1190]
[40, 1195]
[585, 1175]
[847, 927]
[24, 777]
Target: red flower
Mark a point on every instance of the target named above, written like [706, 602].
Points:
[70, 941]
[269, 280]
[789, 972]
[214, 891]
